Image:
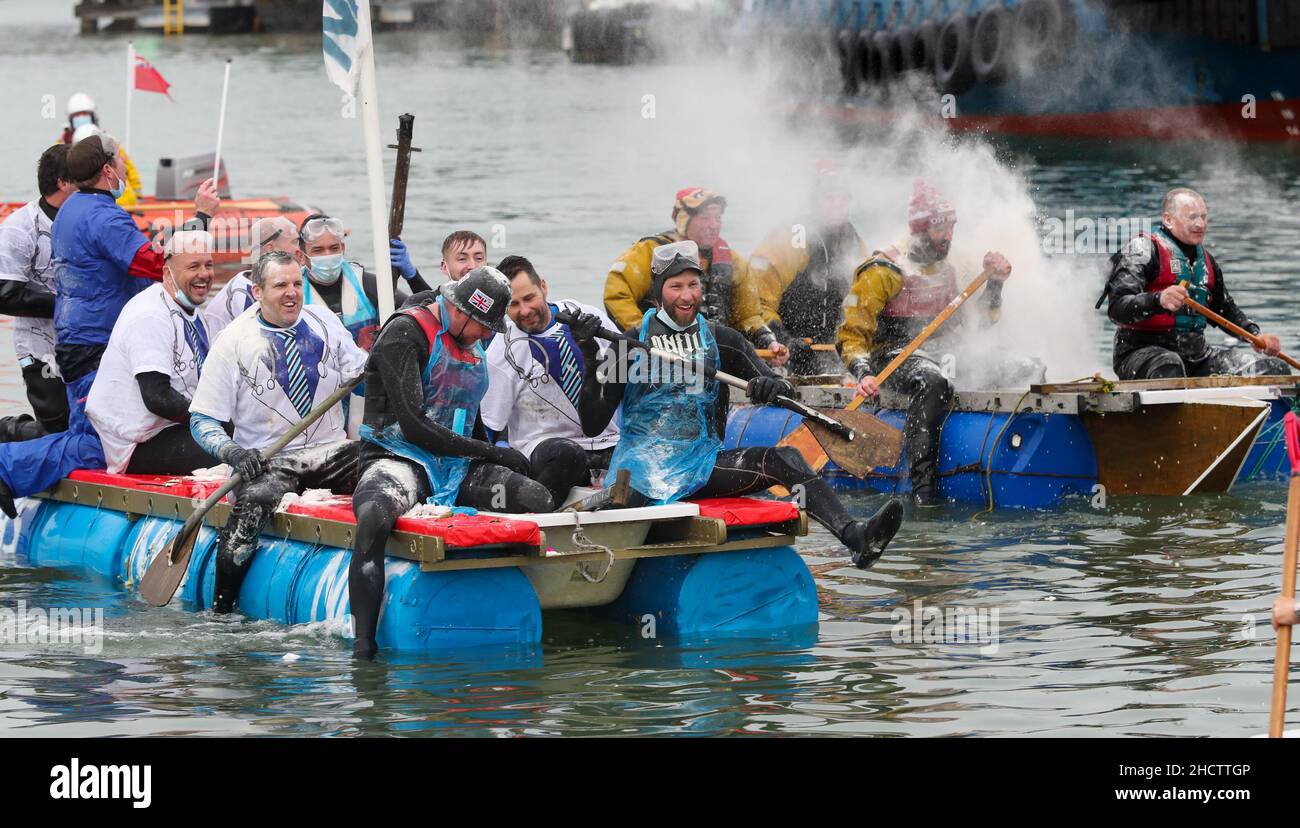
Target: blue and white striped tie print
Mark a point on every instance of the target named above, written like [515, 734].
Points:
[298, 391]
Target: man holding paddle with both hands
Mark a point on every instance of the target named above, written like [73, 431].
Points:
[1162, 288]
[673, 420]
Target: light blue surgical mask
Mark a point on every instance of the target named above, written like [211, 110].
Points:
[327, 269]
[118, 189]
[81, 120]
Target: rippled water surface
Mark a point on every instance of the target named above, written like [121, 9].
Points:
[1147, 617]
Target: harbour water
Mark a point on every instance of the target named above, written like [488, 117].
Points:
[1145, 617]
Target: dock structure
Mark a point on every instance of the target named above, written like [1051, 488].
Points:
[244, 16]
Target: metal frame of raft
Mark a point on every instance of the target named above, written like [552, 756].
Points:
[1033, 448]
[717, 568]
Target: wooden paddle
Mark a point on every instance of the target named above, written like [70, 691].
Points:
[1235, 330]
[766, 353]
[803, 440]
[168, 567]
[1282, 658]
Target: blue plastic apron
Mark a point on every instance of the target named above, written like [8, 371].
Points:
[453, 389]
[363, 315]
[667, 442]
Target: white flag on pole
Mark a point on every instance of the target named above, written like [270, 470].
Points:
[343, 43]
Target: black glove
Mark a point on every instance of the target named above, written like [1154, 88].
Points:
[584, 326]
[247, 462]
[511, 458]
[763, 390]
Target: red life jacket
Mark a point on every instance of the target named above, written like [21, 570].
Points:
[922, 296]
[1165, 321]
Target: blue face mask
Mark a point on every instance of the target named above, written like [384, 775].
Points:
[327, 268]
[81, 120]
[118, 189]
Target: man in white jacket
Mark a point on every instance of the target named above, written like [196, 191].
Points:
[535, 376]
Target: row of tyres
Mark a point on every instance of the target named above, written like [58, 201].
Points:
[993, 45]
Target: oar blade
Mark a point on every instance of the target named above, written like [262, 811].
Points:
[876, 444]
[167, 571]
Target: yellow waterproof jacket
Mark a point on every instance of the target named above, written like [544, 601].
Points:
[627, 286]
[774, 266]
[133, 188]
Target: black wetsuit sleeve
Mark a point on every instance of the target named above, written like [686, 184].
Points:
[21, 299]
[736, 354]
[161, 399]
[399, 357]
[1222, 302]
[1132, 269]
[599, 400]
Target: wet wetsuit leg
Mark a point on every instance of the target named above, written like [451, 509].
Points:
[1150, 362]
[498, 489]
[745, 471]
[560, 464]
[388, 488]
[930, 395]
[48, 397]
[170, 451]
[1241, 362]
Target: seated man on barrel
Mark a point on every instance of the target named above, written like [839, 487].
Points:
[1159, 334]
[265, 373]
[673, 420]
[420, 443]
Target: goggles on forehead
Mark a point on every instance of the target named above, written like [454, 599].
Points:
[277, 234]
[317, 227]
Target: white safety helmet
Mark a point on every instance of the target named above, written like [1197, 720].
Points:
[84, 131]
[81, 102]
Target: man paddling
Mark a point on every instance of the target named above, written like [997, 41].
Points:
[27, 294]
[728, 294]
[425, 380]
[140, 401]
[801, 277]
[1158, 335]
[673, 422]
[535, 381]
[896, 293]
[265, 372]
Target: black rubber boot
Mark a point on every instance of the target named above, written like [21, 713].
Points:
[867, 539]
[230, 577]
[20, 428]
[365, 649]
[7, 501]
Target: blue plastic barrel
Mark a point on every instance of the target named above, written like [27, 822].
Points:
[1031, 463]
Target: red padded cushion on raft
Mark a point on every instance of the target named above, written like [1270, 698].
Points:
[164, 483]
[747, 511]
[458, 531]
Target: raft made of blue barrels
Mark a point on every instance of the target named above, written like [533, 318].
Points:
[721, 568]
[1037, 447]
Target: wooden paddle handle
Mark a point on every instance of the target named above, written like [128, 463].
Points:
[925, 333]
[766, 353]
[1235, 330]
[1282, 658]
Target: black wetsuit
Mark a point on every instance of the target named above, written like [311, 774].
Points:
[390, 485]
[1152, 354]
[812, 306]
[737, 471]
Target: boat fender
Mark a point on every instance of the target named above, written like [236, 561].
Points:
[891, 59]
[991, 45]
[862, 60]
[953, 72]
[844, 42]
[1042, 32]
[928, 36]
[911, 51]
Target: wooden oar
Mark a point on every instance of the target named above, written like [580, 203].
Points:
[1235, 330]
[168, 567]
[803, 440]
[766, 353]
[1282, 658]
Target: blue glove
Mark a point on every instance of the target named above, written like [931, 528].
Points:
[401, 259]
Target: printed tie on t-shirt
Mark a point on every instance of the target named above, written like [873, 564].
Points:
[298, 391]
[197, 339]
[565, 366]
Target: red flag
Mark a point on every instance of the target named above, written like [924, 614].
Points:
[148, 78]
